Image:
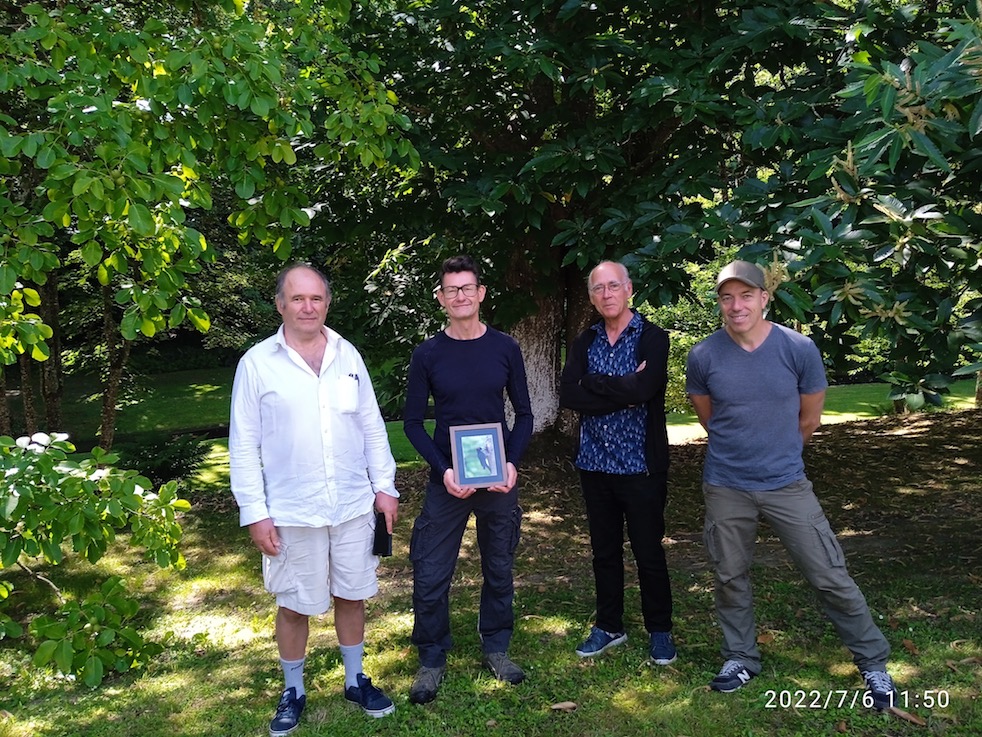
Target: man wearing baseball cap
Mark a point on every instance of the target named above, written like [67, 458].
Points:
[758, 389]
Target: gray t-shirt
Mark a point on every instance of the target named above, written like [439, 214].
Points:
[754, 440]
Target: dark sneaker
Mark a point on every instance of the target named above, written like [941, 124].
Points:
[879, 685]
[663, 649]
[598, 641]
[370, 698]
[731, 676]
[503, 668]
[288, 711]
[426, 684]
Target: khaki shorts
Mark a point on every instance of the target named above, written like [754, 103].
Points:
[316, 563]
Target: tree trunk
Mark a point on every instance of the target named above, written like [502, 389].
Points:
[978, 389]
[52, 380]
[27, 395]
[579, 314]
[5, 425]
[539, 337]
[118, 351]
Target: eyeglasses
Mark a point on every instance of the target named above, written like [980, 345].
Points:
[469, 290]
[612, 286]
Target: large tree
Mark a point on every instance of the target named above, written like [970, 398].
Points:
[835, 143]
[118, 121]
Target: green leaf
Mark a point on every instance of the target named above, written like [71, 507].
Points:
[64, 656]
[8, 278]
[199, 318]
[141, 220]
[11, 551]
[926, 146]
[91, 253]
[46, 157]
[81, 185]
[44, 653]
[92, 673]
[975, 120]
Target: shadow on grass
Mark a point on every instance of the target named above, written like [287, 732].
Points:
[904, 495]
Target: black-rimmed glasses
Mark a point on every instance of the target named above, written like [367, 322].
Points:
[469, 290]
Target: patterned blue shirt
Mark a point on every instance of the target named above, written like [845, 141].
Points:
[614, 443]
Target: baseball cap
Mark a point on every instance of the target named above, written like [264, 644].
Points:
[744, 271]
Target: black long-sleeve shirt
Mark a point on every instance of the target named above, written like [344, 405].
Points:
[467, 380]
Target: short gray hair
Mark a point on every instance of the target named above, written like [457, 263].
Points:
[623, 268]
[281, 278]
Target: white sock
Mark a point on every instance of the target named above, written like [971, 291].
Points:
[293, 675]
[352, 655]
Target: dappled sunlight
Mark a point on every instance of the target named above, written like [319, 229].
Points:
[219, 588]
[911, 491]
[225, 630]
[201, 390]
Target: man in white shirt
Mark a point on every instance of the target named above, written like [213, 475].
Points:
[310, 461]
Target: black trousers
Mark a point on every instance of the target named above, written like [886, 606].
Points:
[639, 500]
[434, 549]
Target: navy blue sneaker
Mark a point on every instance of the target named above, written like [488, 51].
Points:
[879, 685]
[288, 711]
[370, 698]
[663, 649]
[731, 676]
[598, 641]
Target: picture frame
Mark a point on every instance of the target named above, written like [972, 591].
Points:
[478, 454]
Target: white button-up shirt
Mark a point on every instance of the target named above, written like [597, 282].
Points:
[306, 450]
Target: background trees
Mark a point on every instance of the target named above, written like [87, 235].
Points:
[835, 142]
[120, 124]
[158, 160]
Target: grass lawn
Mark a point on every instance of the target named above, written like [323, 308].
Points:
[198, 401]
[902, 492]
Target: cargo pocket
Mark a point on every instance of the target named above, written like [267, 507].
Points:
[709, 540]
[278, 576]
[516, 530]
[419, 542]
[830, 545]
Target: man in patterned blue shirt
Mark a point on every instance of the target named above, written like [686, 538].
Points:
[615, 377]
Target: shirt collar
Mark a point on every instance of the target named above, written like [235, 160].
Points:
[332, 336]
[636, 323]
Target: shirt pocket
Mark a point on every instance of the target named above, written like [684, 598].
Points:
[346, 394]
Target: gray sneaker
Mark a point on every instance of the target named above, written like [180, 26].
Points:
[426, 684]
[503, 668]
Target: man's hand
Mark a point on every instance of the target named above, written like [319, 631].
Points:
[511, 478]
[389, 506]
[461, 492]
[264, 536]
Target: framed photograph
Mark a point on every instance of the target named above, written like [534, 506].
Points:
[478, 454]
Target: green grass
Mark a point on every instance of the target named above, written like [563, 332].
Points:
[904, 496]
[189, 401]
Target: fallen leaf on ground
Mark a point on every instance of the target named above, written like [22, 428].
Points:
[564, 706]
[910, 647]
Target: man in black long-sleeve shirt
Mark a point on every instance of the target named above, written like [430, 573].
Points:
[466, 369]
